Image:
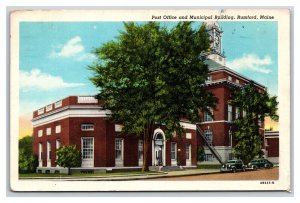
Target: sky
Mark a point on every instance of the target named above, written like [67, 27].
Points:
[54, 58]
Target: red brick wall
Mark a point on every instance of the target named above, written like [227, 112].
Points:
[99, 135]
[273, 147]
[63, 137]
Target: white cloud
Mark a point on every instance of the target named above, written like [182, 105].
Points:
[251, 62]
[36, 80]
[73, 49]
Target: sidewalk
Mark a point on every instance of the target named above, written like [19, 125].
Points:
[129, 176]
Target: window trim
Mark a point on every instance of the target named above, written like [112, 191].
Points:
[40, 133]
[56, 129]
[87, 127]
[207, 117]
[122, 149]
[173, 151]
[48, 131]
[231, 113]
[208, 133]
[82, 148]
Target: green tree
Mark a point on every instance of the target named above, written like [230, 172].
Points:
[257, 106]
[68, 156]
[151, 75]
[27, 160]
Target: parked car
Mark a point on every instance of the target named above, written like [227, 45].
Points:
[233, 166]
[260, 163]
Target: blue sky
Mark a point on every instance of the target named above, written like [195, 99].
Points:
[54, 56]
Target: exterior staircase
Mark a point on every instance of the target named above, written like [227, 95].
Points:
[211, 148]
[166, 168]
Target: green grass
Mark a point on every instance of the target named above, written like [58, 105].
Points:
[209, 166]
[34, 175]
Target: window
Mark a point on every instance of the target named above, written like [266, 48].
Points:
[40, 133]
[187, 151]
[58, 129]
[229, 113]
[229, 78]
[207, 116]
[188, 136]
[208, 136]
[40, 151]
[237, 112]
[48, 150]
[58, 145]
[87, 150]
[119, 149]
[209, 157]
[141, 149]
[48, 131]
[244, 113]
[173, 150]
[237, 81]
[87, 127]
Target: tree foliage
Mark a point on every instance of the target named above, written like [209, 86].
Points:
[256, 106]
[27, 160]
[68, 156]
[151, 75]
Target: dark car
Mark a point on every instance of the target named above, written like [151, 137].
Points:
[233, 166]
[260, 163]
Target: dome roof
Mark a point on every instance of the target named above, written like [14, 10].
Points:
[211, 24]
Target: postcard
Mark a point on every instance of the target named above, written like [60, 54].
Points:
[150, 100]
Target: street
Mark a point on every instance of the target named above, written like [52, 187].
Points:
[261, 174]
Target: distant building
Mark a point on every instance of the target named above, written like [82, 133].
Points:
[81, 120]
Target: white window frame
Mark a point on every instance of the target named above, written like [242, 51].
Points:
[188, 136]
[87, 127]
[87, 149]
[58, 129]
[58, 145]
[173, 151]
[40, 154]
[48, 131]
[48, 150]
[207, 117]
[87, 152]
[208, 136]
[40, 133]
[209, 157]
[237, 81]
[119, 147]
[237, 112]
[229, 113]
[229, 78]
[140, 150]
[188, 151]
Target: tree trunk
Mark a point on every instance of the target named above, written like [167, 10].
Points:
[69, 170]
[147, 144]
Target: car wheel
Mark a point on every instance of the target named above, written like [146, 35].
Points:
[244, 169]
[234, 170]
[254, 168]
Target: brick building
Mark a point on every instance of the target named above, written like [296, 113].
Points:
[81, 120]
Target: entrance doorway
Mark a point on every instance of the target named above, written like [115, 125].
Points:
[158, 148]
